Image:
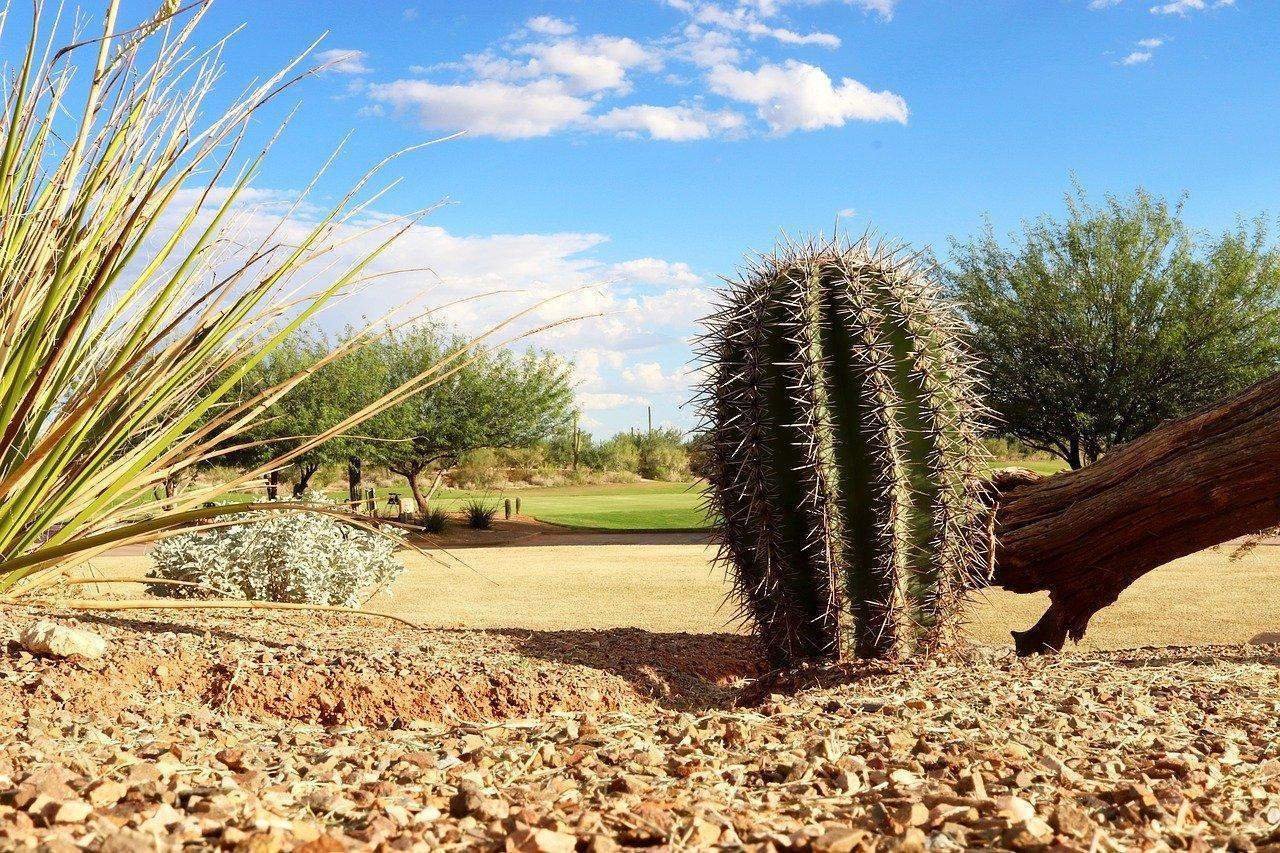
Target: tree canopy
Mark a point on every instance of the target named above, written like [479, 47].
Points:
[493, 398]
[1096, 327]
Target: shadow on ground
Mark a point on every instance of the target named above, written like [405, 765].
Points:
[676, 670]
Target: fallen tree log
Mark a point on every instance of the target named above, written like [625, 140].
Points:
[1086, 535]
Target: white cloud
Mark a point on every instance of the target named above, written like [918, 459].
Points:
[549, 26]
[486, 107]
[588, 363]
[521, 268]
[649, 376]
[410, 14]
[340, 61]
[618, 355]
[583, 66]
[770, 8]
[1144, 52]
[544, 79]
[655, 271]
[1104, 4]
[1182, 7]
[884, 8]
[746, 21]
[798, 96]
[846, 213]
[674, 124]
[590, 65]
[592, 402]
[707, 48]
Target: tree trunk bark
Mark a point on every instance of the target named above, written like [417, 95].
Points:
[273, 485]
[172, 486]
[435, 487]
[305, 472]
[416, 488]
[355, 474]
[1084, 536]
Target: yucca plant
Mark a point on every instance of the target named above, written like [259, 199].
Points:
[843, 443]
[480, 513]
[129, 312]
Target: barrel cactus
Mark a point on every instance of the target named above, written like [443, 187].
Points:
[843, 448]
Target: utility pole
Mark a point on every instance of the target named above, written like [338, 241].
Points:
[576, 436]
[650, 411]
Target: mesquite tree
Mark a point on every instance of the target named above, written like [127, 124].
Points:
[842, 443]
[334, 391]
[1095, 328]
[496, 398]
[845, 471]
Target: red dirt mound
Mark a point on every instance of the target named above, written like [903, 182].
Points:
[338, 670]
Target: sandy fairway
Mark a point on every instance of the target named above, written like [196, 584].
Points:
[667, 582]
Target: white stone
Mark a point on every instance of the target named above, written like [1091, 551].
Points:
[50, 638]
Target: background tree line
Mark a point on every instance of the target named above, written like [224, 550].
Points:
[499, 414]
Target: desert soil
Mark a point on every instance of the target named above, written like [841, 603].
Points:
[318, 733]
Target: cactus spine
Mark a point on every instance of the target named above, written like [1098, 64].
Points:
[844, 444]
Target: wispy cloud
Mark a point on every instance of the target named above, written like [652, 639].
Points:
[1144, 52]
[486, 107]
[744, 19]
[549, 26]
[674, 124]
[1185, 7]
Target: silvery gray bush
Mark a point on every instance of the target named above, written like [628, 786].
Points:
[301, 557]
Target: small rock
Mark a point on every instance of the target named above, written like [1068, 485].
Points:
[128, 841]
[469, 802]
[904, 778]
[909, 814]
[50, 638]
[912, 841]
[1241, 843]
[72, 811]
[106, 793]
[1072, 820]
[1015, 808]
[838, 841]
[973, 784]
[530, 840]
[1027, 833]
[625, 784]
[602, 844]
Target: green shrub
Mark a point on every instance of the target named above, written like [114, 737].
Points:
[620, 453]
[663, 455]
[306, 558]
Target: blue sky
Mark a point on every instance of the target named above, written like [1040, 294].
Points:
[645, 145]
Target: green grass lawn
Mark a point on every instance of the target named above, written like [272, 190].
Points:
[623, 506]
[1040, 465]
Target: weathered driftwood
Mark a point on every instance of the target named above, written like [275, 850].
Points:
[1086, 535]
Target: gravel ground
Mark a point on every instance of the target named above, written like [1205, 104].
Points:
[324, 733]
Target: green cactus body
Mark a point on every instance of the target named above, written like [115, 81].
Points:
[844, 437]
